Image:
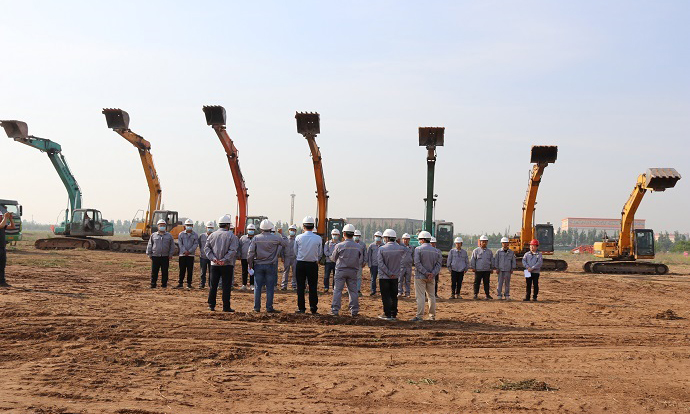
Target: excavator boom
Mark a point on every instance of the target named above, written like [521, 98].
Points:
[308, 124]
[216, 118]
[541, 156]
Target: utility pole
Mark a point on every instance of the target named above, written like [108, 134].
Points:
[292, 209]
[430, 137]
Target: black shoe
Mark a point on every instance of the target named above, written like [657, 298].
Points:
[152, 286]
[4, 284]
[190, 287]
[372, 294]
[489, 297]
[273, 311]
[525, 300]
[178, 287]
[229, 310]
[257, 310]
[211, 308]
[298, 311]
[314, 312]
[535, 299]
[476, 297]
[164, 286]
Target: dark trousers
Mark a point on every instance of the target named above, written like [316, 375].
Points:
[186, 266]
[205, 266]
[162, 264]
[533, 280]
[3, 263]
[328, 268]
[389, 296]
[218, 273]
[245, 273]
[436, 286]
[374, 270]
[479, 277]
[456, 281]
[307, 272]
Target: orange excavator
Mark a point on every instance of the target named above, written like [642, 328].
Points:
[118, 121]
[308, 124]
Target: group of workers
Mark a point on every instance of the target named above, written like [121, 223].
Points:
[391, 261]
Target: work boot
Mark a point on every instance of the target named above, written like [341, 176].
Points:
[476, 297]
[180, 286]
[273, 311]
[526, 299]
[534, 299]
[488, 297]
[152, 286]
[229, 310]
[416, 319]
[190, 287]
[211, 308]
[298, 311]
[452, 296]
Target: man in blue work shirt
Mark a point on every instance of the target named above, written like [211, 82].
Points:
[308, 249]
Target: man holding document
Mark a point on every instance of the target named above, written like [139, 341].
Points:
[532, 262]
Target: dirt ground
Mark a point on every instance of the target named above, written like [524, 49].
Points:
[82, 332]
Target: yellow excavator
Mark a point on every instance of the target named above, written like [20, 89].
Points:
[118, 121]
[542, 156]
[633, 244]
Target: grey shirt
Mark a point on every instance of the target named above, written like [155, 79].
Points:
[160, 245]
[264, 249]
[245, 242]
[328, 250]
[504, 260]
[202, 244]
[458, 261]
[482, 260]
[348, 258]
[188, 242]
[426, 260]
[390, 257]
[533, 260]
[408, 258]
[371, 257]
[289, 251]
[222, 245]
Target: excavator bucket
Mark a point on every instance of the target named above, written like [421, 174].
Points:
[15, 129]
[308, 123]
[659, 179]
[116, 118]
[431, 136]
[215, 115]
[544, 154]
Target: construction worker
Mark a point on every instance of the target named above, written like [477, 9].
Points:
[372, 260]
[308, 250]
[188, 241]
[329, 266]
[481, 264]
[358, 239]
[532, 262]
[433, 244]
[160, 250]
[427, 265]
[5, 224]
[289, 262]
[348, 258]
[262, 259]
[221, 249]
[504, 263]
[245, 242]
[203, 260]
[390, 258]
[457, 262]
[406, 267]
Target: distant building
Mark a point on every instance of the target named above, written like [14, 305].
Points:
[599, 224]
[672, 236]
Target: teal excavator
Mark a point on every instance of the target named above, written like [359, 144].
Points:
[79, 224]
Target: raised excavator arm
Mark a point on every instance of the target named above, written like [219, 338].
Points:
[118, 121]
[541, 156]
[216, 118]
[308, 125]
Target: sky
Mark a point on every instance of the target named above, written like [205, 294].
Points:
[605, 81]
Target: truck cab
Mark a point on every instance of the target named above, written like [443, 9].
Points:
[13, 235]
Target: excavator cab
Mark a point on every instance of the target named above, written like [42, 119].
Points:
[256, 221]
[88, 222]
[335, 224]
[444, 236]
[544, 234]
[544, 154]
[644, 243]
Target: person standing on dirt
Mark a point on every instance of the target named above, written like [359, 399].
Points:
[221, 249]
[5, 224]
[245, 242]
[390, 258]
[160, 250]
[427, 264]
[371, 259]
[406, 267]
[289, 262]
[262, 259]
[308, 250]
[188, 241]
[532, 262]
[348, 258]
[329, 266]
[481, 264]
[457, 262]
[203, 260]
[358, 239]
[436, 276]
[504, 263]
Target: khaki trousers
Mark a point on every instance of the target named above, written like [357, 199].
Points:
[425, 288]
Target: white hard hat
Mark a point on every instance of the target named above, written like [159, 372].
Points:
[505, 240]
[251, 227]
[378, 233]
[308, 220]
[273, 229]
[483, 238]
[458, 240]
[161, 221]
[232, 226]
[405, 236]
[358, 233]
[266, 225]
[335, 231]
[188, 221]
[424, 235]
[349, 228]
[433, 239]
[210, 224]
[225, 220]
[389, 233]
[292, 227]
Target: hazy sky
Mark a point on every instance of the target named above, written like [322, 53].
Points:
[606, 81]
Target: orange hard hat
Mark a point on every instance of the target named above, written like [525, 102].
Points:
[534, 242]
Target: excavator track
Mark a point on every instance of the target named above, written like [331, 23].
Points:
[553, 265]
[625, 267]
[66, 243]
[133, 246]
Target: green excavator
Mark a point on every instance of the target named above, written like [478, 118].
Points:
[79, 224]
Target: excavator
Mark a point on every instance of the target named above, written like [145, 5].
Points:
[79, 224]
[541, 156]
[216, 118]
[632, 243]
[308, 124]
[118, 121]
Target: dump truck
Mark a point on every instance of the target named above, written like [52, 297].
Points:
[80, 226]
[12, 236]
[633, 244]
